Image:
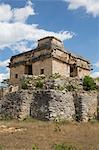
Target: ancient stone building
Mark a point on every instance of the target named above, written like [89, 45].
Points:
[48, 58]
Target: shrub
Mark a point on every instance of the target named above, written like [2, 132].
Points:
[88, 83]
[70, 87]
[24, 84]
[35, 147]
[56, 76]
[39, 84]
[64, 147]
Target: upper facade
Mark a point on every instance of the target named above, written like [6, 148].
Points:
[48, 58]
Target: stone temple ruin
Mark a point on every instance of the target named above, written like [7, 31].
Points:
[62, 97]
[48, 58]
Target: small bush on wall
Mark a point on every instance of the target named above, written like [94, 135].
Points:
[39, 84]
[24, 84]
[88, 83]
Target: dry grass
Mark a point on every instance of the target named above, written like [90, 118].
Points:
[16, 135]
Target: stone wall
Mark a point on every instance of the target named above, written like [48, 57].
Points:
[15, 105]
[49, 105]
[57, 67]
[5, 90]
[19, 71]
[45, 64]
[85, 105]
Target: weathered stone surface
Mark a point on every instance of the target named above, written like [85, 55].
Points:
[50, 104]
[40, 104]
[86, 105]
[61, 105]
[15, 105]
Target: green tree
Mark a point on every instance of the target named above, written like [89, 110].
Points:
[89, 83]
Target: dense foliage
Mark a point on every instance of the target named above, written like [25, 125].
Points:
[89, 83]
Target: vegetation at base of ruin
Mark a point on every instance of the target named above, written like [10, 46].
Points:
[24, 83]
[70, 87]
[60, 87]
[77, 117]
[89, 84]
[64, 147]
[55, 76]
[5, 118]
[29, 119]
[39, 84]
[40, 77]
[59, 120]
[93, 121]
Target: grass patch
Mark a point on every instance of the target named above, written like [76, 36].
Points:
[35, 147]
[0, 147]
[64, 147]
[41, 135]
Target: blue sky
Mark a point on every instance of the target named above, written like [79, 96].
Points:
[75, 22]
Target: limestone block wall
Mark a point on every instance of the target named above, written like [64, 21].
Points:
[59, 67]
[45, 64]
[18, 59]
[83, 72]
[15, 105]
[19, 70]
[49, 105]
[61, 105]
[43, 42]
[41, 52]
[57, 43]
[86, 104]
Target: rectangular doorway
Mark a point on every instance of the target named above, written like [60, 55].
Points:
[28, 69]
[73, 70]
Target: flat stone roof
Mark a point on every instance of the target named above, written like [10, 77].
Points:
[38, 48]
[50, 37]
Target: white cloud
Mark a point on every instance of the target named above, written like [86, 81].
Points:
[16, 14]
[4, 76]
[23, 46]
[5, 12]
[21, 14]
[95, 74]
[91, 6]
[4, 63]
[96, 64]
[14, 29]
[12, 33]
